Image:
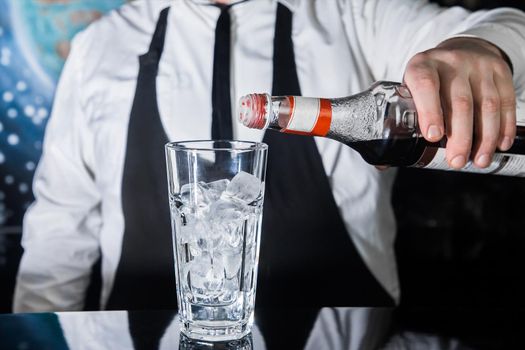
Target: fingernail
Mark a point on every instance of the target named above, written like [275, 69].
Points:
[458, 162]
[433, 132]
[506, 143]
[483, 160]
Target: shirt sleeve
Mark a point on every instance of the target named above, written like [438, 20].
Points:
[61, 228]
[392, 31]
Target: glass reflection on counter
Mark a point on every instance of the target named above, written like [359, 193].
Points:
[140, 330]
[245, 343]
[327, 329]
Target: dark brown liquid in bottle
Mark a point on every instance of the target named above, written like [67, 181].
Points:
[408, 151]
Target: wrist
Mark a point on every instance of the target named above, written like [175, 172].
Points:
[465, 42]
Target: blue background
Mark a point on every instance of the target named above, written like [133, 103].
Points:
[34, 42]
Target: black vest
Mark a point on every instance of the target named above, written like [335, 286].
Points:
[307, 257]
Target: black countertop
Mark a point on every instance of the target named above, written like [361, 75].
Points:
[279, 328]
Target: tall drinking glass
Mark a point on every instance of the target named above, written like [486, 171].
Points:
[216, 191]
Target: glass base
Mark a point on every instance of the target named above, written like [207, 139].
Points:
[215, 333]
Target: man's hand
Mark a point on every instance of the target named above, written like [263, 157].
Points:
[463, 89]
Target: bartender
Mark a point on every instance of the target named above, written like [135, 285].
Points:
[159, 71]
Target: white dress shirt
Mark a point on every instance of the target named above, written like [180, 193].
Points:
[341, 48]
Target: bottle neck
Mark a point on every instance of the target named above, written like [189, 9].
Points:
[385, 110]
[301, 115]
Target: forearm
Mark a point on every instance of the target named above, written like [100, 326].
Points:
[60, 247]
[391, 32]
[504, 28]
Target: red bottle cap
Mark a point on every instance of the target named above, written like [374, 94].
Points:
[253, 110]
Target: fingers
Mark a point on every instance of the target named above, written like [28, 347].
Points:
[422, 79]
[507, 94]
[464, 89]
[487, 119]
[458, 103]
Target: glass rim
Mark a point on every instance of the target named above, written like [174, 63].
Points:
[239, 145]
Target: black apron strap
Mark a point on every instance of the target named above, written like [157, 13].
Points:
[221, 122]
[159, 36]
[307, 257]
[285, 80]
[145, 277]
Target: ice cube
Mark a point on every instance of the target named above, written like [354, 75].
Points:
[232, 234]
[227, 220]
[207, 244]
[214, 279]
[188, 215]
[185, 228]
[198, 268]
[230, 290]
[194, 232]
[193, 196]
[215, 189]
[184, 234]
[205, 277]
[226, 211]
[194, 248]
[231, 263]
[193, 227]
[244, 187]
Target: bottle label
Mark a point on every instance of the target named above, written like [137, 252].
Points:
[502, 163]
[309, 116]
